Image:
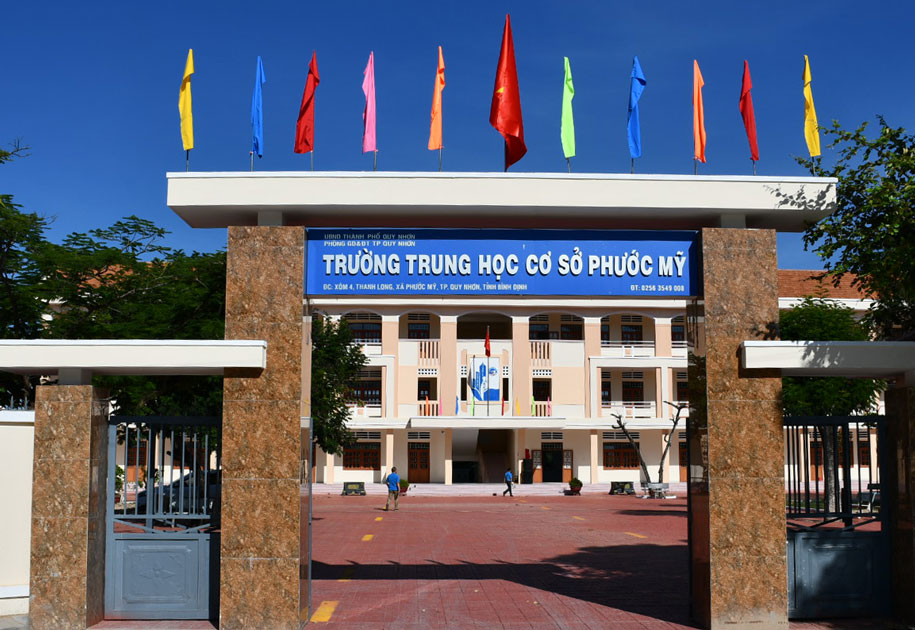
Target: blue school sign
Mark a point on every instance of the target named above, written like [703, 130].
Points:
[500, 262]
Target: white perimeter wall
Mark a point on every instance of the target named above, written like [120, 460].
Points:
[17, 433]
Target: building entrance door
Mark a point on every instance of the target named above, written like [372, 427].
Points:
[162, 540]
[683, 459]
[552, 460]
[418, 462]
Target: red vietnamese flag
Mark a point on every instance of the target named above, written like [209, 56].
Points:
[746, 111]
[505, 113]
[305, 126]
[486, 344]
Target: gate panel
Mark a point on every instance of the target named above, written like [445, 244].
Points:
[838, 544]
[162, 524]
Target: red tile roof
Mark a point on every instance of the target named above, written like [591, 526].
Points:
[797, 283]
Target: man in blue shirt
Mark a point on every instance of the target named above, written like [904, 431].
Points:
[393, 488]
[508, 482]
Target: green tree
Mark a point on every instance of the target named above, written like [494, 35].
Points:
[122, 282]
[871, 234]
[819, 319]
[335, 365]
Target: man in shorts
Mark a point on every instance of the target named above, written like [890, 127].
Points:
[393, 488]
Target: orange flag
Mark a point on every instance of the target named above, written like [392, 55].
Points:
[698, 115]
[435, 129]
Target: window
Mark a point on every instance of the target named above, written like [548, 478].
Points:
[682, 390]
[571, 332]
[864, 453]
[366, 392]
[678, 332]
[366, 332]
[426, 388]
[417, 330]
[633, 391]
[605, 332]
[631, 332]
[542, 389]
[362, 456]
[464, 388]
[605, 389]
[539, 332]
[620, 456]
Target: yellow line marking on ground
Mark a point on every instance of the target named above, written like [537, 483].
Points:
[324, 611]
[378, 518]
[636, 535]
[578, 518]
[347, 575]
[523, 501]
[368, 537]
[545, 507]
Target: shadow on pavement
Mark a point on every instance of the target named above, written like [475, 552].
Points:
[643, 579]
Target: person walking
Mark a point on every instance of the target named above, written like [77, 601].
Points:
[508, 482]
[393, 488]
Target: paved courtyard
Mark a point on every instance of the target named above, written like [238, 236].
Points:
[535, 561]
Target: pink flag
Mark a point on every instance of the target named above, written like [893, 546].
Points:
[368, 116]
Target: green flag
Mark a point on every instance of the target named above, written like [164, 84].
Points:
[568, 126]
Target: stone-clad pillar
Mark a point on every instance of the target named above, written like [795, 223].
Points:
[259, 565]
[736, 492]
[66, 587]
[899, 495]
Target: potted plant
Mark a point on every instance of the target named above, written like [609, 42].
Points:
[404, 485]
[575, 486]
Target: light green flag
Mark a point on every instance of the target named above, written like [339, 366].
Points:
[568, 125]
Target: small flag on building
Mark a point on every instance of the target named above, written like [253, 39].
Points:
[305, 125]
[811, 129]
[505, 112]
[435, 126]
[637, 85]
[368, 114]
[698, 115]
[746, 112]
[486, 345]
[257, 111]
[567, 125]
[184, 104]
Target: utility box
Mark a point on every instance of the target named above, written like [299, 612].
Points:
[353, 488]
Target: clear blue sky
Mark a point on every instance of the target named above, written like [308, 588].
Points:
[92, 88]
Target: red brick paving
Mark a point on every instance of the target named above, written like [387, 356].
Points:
[536, 562]
[494, 562]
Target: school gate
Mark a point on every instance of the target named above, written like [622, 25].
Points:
[737, 524]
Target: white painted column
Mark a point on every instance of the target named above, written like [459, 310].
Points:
[388, 452]
[449, 436]
[595, 453]
[329, 468]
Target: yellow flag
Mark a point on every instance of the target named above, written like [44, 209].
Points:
[184, 104]
[811, 130]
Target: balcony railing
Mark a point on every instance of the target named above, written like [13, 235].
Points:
[541, 354]
[366, 410]
[619, 348]
[542, 409]
[678, 348]
[641, 409]
[428, 352]
[428, 408]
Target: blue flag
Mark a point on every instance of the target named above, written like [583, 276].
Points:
[637, 83]
[257, 111]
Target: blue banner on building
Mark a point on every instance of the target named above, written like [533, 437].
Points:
[428, 261]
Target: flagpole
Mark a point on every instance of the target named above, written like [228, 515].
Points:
[631, 166]
[375, 160]
[505, 154]
[312, 159]
[439, 159]
[252, 160]
[187, 160]
[695, 166]
[569, 164]
[754, 165]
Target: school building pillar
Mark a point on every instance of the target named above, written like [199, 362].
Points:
[448, 364]
[260, 539]
[736, 478]
[594, 442]
[521, 365]
[66, 585]
[898, 489]
[449, 441]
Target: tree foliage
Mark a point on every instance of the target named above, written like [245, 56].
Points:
[335, 365]
[871, 234]
[819, 319]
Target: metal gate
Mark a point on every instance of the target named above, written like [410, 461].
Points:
[838, 539]
[162, 542]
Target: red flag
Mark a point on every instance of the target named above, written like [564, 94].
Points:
[746, 111]
[505, 113]
[305, 126]
[486, 345]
